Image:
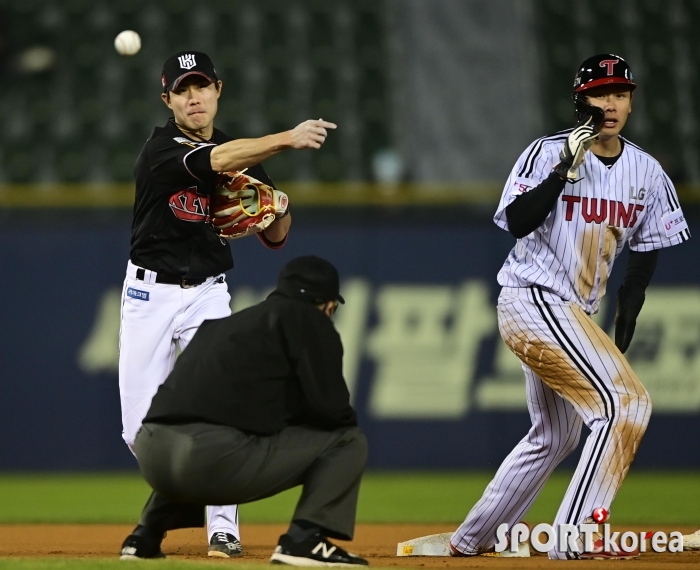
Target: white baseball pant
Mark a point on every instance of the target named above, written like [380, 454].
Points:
[154, 318]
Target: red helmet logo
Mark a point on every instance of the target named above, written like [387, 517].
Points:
[609, 64]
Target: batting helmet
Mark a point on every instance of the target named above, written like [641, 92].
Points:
[596, 71]
[603, 69]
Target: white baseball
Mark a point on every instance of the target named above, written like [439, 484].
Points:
[127, 42]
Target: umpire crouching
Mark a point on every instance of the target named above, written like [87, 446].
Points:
[255, 405]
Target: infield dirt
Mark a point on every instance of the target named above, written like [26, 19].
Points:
[376, 542]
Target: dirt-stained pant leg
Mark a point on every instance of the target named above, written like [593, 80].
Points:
[555, 433]
[562, 347]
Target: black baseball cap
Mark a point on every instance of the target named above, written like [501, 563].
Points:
[310, 278]
[183, 65]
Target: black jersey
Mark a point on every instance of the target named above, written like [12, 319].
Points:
[275, 364]
[171, 233]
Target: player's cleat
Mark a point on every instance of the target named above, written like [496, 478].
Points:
[522, 552]
[599, 553]
[691, 541]
[224, 545]
[137, 547]
[457, 554]
[314, 551]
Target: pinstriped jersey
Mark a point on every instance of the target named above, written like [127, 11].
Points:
[572, 253]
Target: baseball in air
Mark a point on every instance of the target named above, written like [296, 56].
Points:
[127, 42]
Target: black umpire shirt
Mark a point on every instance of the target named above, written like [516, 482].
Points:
[276, 364]
[174, 183]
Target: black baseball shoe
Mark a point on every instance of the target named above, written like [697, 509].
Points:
[138, 547]
[224, 545]
[314, 551]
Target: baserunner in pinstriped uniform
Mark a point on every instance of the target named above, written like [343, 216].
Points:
[572, 212]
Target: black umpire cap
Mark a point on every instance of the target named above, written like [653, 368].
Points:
[183, 65]
[310, 278]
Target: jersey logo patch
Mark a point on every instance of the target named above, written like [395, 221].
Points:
[187, 61]
[674, 223]
[189, 206]
[521, 186]
[188, 142]
[637, 195]
[137, 294]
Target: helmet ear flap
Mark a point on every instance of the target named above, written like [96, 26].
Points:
[584, 111]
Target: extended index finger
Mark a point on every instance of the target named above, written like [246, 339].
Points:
[326, 124]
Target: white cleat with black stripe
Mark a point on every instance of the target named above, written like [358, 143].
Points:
[224, 545]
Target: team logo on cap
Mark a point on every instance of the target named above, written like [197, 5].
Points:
[187, 61]
[609, 64]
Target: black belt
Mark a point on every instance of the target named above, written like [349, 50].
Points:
[166, 279]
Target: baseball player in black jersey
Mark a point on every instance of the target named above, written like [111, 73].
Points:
[175, 275]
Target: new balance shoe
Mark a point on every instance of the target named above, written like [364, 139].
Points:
[314, 551]
[138, 547]
[224, 545]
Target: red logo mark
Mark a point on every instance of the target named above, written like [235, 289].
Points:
[600, 515]
[608, 64]
[283, 201]
[522, 188]
[596, 211]
[189, 206]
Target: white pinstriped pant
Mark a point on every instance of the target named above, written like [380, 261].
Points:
[574, 374]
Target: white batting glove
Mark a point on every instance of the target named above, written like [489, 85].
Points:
[574, 150]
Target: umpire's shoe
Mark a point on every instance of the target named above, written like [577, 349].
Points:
[224, 545]
[137, 547]
[314, 551]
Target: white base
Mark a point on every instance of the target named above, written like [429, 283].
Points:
[439, 545]
[691, 541]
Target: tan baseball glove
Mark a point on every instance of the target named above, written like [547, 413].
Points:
[242, 205]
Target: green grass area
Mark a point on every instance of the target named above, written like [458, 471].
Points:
[645, 498]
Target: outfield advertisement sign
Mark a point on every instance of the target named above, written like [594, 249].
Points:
[424, 344]
[434, 385]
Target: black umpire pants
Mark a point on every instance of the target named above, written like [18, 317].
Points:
[193, 465]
